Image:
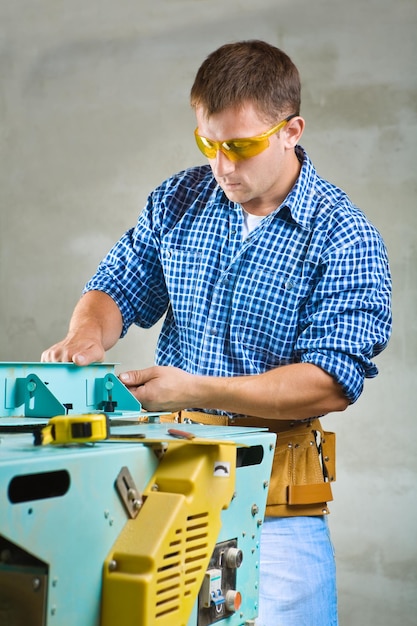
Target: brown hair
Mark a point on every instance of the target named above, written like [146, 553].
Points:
[248, 71]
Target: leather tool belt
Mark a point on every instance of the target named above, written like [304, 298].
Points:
[304, 461]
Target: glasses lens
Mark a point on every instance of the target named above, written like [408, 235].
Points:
[247, 148]
[237, 149]
[208, 148]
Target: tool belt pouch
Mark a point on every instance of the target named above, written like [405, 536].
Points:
[304, 463]
[303, 467]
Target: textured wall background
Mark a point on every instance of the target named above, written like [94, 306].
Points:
[94, 113]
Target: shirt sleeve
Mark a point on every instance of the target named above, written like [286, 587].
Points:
[131, 274]
[347, 319]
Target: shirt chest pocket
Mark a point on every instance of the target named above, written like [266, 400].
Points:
[269, 305]
[185, 272]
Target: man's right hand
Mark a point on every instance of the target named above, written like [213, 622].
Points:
[74, 349]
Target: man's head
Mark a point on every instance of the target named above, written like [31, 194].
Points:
[246, 97]
[248, 72]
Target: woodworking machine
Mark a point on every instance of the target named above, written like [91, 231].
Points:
[110, 517]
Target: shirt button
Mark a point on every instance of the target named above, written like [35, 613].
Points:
[213, 332]
[289, 285]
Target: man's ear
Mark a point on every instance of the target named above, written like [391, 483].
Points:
[293, 130]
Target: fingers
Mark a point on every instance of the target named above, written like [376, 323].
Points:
[136, 381]
[159, 388]
[54, 354]
[73, 352]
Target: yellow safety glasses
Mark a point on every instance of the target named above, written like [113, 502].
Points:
[238, 149]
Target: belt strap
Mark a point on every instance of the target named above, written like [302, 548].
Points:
[214, 419]
[199, 417]
[276, 426]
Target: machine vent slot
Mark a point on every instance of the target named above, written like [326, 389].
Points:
[249, 456]
[29, 487]
[181, 567]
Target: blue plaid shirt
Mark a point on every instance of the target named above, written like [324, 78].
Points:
[310, 284]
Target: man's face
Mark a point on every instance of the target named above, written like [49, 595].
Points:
[259, 183]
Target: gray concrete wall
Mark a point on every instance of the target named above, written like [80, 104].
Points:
[94, 113]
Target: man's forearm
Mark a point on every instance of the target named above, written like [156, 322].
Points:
[97, 314]
[290, 392]
[95, 326]
[295, 391]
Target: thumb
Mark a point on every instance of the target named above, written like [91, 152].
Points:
[134, 378]
[92, 355]
[81, 359]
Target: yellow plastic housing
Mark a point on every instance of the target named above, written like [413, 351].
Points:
[154, 572]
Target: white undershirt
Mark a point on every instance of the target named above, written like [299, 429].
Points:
[250, 222]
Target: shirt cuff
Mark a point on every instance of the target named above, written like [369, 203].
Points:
[119, 299]
[347, 371]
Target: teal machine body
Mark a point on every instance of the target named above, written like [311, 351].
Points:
[63, 508]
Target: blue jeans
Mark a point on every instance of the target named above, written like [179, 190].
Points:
[297, 573]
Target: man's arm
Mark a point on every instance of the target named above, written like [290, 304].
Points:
[95, 326]
[290, 392]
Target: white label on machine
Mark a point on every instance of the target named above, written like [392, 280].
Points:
[222, 468]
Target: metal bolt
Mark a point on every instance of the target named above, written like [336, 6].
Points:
[254, 509]
[155, 487]
[266, 484]
[136, 504]
[31, 386]
[132, 494]
[36, 584]
[112, 565]
[259, 522]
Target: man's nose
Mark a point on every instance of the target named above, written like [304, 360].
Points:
[222, 165]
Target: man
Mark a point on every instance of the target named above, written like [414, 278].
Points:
[276, 296]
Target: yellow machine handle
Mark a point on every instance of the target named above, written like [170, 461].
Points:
[155, 569]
